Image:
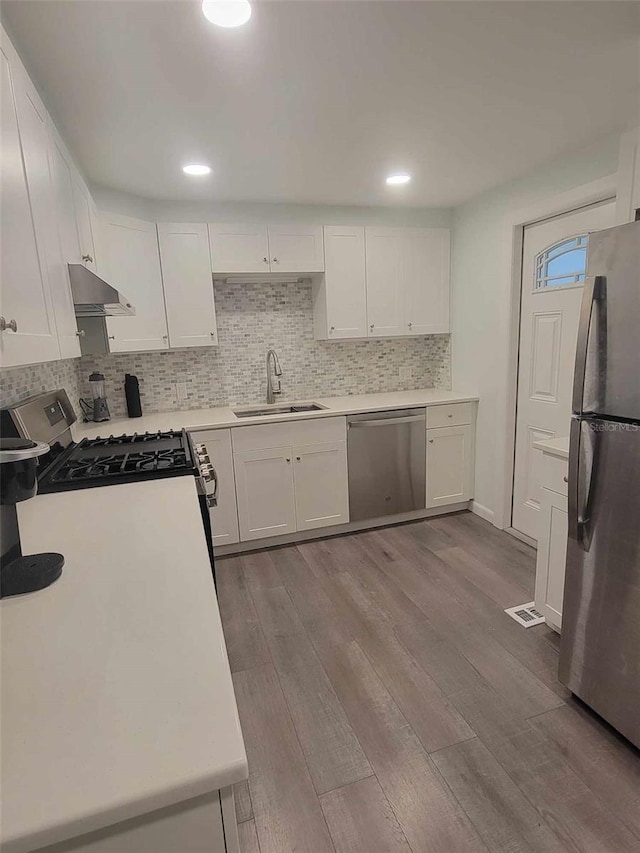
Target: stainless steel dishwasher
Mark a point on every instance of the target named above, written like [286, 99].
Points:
[386, 454]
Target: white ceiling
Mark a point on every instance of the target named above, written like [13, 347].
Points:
[317, 101]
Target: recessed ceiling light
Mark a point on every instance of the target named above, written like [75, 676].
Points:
[196, 169]
[227, 13]
[398, 179]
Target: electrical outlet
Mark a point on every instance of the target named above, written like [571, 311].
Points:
[181, 390]
[406, 373]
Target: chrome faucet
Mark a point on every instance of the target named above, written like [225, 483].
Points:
[273, 388]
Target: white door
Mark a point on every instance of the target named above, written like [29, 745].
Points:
[449, 465]
[296, 248]
[188, 284]
[131, 263]
[553, 264]
[239, 248]
[426, 280]
[345, 288]
[321, 481]
[25, 298]
[266, 496]
[224, 516]
[385, 292]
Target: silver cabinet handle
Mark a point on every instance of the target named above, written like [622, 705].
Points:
[332, 329]
[87, 259]
[10, 326]
[409, 325]
[431, 440]
[288, 459]
[276, 261]
[81, 333]
[165, 337]
[266, 260]
[213, 334]
[112, 337]
[298, 458]
[372, 326]
[385, 422]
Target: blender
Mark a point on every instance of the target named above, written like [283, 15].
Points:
[96, 409]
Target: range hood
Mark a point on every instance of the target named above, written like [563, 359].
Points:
[93, 297]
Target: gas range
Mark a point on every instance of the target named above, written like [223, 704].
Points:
[118, 459]
[98, 461]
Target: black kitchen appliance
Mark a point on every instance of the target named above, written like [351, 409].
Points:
[18, 482]
[132, 395]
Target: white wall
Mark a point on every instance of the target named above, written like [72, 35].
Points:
[176, 211]
[480, 340]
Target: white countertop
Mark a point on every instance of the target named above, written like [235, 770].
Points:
[554, 446]
[224, 416]
[116, 691]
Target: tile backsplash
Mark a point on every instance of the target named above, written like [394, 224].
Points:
[18, 383]
[251, 318]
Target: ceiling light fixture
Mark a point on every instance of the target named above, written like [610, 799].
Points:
[227, 13]
[398, 179]
[196, 169]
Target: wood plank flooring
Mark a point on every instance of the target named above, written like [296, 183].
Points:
[389, 704]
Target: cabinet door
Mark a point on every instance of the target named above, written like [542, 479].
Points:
[131, 263]
[551, 557]
[25, 295]
[188, 284]
[86, 217]
[321, 481]
[296, 248]
[449, 461]
[239, 248]
[266, 497]
[224, 516]
[385, 300]
[340, 301]
[426, 280]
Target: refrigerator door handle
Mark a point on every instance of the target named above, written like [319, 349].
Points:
[575, 526]
[593, 289]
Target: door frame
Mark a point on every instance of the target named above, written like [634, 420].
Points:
[510, 276]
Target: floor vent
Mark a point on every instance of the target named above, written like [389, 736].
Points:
[526, 614]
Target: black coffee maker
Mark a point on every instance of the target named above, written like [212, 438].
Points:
[18, 482]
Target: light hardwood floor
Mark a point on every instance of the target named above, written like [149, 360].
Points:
[388, 703]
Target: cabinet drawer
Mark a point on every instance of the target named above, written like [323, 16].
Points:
[455, 414]
[287, 433]
[555, 471]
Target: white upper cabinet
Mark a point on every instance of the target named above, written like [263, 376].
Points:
[239, 248]
[340, 296]
[385, 283]
[26, 305]
[87, 219]
[296, 248]
[130, 261]
[262, 248]
[188, 284]
[426, 280]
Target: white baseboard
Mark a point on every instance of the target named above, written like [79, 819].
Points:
[482, 511]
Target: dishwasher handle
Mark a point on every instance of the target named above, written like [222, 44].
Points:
[385, 422]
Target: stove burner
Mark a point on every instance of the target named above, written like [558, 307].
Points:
[121, 459]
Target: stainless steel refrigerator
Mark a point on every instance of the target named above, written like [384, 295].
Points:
[600, 645]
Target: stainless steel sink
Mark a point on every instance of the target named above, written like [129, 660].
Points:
[278, 410]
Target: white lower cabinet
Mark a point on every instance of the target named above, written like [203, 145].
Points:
[449, 465]
[266, 493]
[320, 480]
[552, 540]
[224, 516]
[291, 476]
